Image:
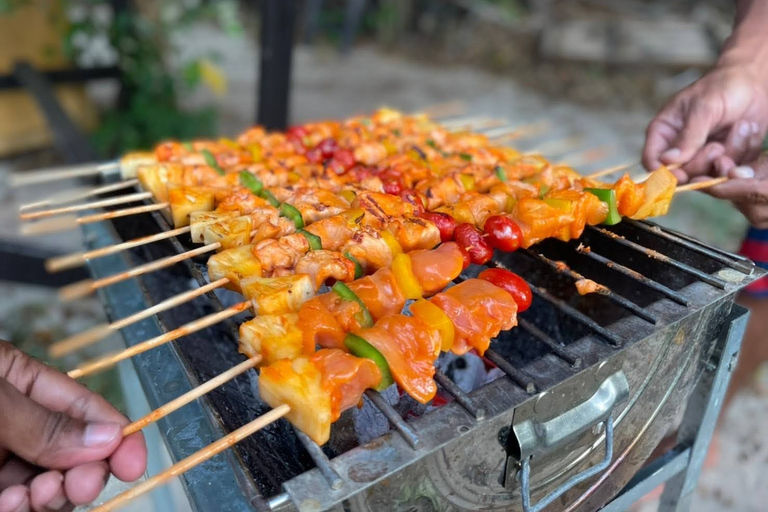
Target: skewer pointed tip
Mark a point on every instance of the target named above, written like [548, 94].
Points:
[76, 290]
[78, 341]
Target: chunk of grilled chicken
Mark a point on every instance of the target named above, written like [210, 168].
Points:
[322, 265]
[369, 249]
[280, 254]
[316, 203]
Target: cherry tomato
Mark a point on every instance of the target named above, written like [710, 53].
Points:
[503, 233]
[328, 147]
[511, 283]
[393, 187]
[361, 172]
[472, 240]
[315, 156]
[297, 131]
[444, 222]
[410, 196]
[345, 157]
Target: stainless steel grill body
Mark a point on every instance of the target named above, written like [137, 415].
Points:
[632, 354]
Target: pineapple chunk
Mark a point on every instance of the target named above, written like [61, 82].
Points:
[274, 295]
[200, 220]
[186, 200]
[275, 337]
[298, 383]
[155, 179]
[234, 264]
[229, 233]
[130, 162]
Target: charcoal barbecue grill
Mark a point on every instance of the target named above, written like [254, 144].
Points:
[562, 412]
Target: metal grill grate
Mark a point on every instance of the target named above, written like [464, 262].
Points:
[653, 278]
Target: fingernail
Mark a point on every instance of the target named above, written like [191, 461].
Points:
[57, 503]
[743, 172]
[755, 128]
[744, 128]
[715, 152]
[100, 434]
[671, 154]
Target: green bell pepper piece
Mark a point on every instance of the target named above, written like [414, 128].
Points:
[500, 173]
[211, 160]
[364, 316]
[290, 212]
[266, 194]
[315, 243]
[251, 182]
[607, 195]
[358, 267]
[361, 348]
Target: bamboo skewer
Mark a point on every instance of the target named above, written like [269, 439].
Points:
[196, 458]
[20, 179]
[112, 201]
[74, 195]
[83, 288]
[526, 130]
[611, 170]
[447, 109]
[83, 339]
[191, 395]
[698, 185]
[585, 156]
[77, 259]
[110, 360]
[71, 222]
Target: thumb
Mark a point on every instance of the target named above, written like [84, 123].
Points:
[49, 439]
[697, 125]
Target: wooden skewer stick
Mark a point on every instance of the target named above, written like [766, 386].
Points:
[112, 201]
[556, 146]
[191, 395]
[91, 336]
[110, 360]
[584, 156]
[74, 195]
[611, 170]
[20, 179]
[83, 288]
[195, 459]
[448, 109]
[520, 132]
[77, 259]
[479, 125]
[71, 222]
[698, 185]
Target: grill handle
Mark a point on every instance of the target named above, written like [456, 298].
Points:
[525, 475]
[546, 431]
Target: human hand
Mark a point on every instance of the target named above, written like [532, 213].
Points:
[59, 441]
[724, 114]
[746, 188]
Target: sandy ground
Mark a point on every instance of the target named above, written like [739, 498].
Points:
[326, 85]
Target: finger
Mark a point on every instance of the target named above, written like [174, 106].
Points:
[16, 472]
[659, 136]
[757, 215]
[129, 461]
[755, 144]
[52, 439]
[702, 162]
[737, 143]
[722, 165]
[53, 389]
[698, 122]
[46, 492]
[14, 499]
[83, 484]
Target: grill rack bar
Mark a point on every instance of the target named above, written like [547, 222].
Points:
[604, 290]
[721, 255]
[550, 343]
[459, 395]
[633, 274]
[320, 459]
[703, 276]
[519, 377]
[394, 418]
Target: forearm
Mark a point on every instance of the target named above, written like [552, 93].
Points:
[748, 44]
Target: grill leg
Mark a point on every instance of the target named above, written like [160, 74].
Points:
[701, 414]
